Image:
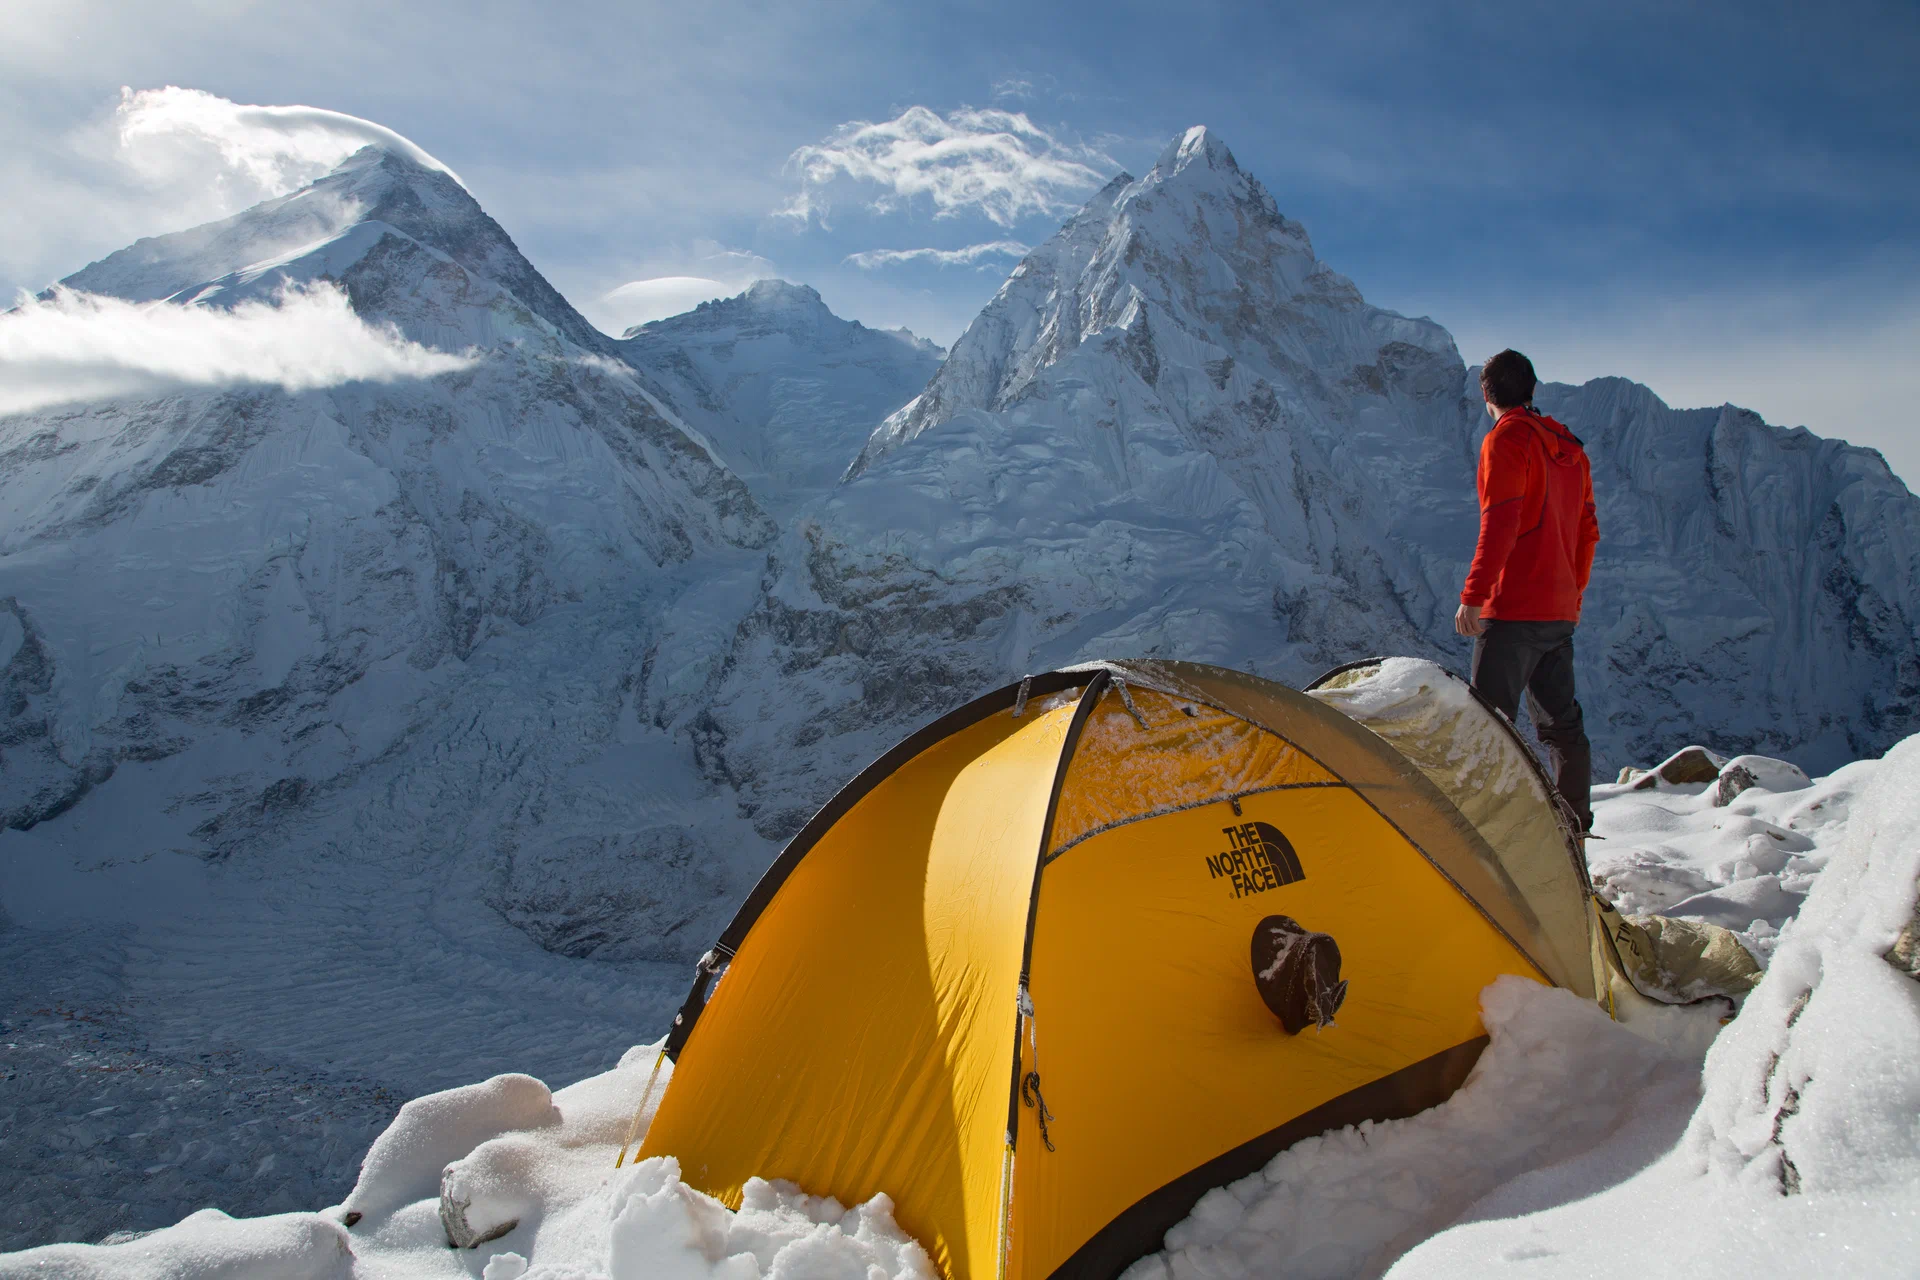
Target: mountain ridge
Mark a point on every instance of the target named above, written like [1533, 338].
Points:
[1173, 430]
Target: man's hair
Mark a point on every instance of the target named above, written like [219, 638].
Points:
[1507, 380]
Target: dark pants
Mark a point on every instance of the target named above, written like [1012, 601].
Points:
[1536, 658]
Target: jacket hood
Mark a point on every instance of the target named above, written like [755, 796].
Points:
[1562, 446]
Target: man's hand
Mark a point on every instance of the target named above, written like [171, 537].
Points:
[1466, 620]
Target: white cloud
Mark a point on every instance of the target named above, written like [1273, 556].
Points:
[995, 163]
[710, 270]
[966, 257]
[74, 347]
[158, 161]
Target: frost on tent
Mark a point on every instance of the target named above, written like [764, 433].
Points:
[1148, 752]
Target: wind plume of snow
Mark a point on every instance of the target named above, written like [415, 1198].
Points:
[966, 257]
[260, 151]
[157, 160]
[995, 163]
[70, 347]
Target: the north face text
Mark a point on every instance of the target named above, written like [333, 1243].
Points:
[1257, 858]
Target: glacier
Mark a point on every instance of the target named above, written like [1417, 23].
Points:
[398, 733]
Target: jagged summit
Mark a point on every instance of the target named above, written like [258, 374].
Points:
[1197, 247]
[1197, 145]
[768, 303]
[774, 292]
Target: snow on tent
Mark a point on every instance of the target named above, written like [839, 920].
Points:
[1089, 946]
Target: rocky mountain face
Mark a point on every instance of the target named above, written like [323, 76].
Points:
[578, 635]
[1755, 586]
[1176, 431]
[786, 391]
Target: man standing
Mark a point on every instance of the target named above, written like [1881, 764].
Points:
[1522, 596]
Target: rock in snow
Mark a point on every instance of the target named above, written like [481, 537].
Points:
[313, 701]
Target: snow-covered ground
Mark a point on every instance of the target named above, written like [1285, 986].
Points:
[1578, 1146]
[1746, 865]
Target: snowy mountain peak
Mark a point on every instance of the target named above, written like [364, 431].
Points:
[1198, 145]
[1196, 247]
[768, 305]
[771, 292]
[371, 192]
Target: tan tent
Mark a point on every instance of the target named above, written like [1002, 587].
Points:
[1095, 943]
[1473, 754]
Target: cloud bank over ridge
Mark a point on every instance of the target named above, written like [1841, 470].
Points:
[73, 347]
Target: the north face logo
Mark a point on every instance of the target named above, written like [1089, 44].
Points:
[1258, 858]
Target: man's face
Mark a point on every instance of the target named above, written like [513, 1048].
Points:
[1493, 411]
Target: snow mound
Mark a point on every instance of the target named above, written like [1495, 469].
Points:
[665, 1230]
[406, 1161]
[1557, 1079]
[1816, 1087]
[207, 1245]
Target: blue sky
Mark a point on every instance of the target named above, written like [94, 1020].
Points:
[1718, 200]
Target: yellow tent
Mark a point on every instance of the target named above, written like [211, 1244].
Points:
[1097, 942]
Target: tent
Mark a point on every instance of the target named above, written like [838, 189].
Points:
[1092, 944]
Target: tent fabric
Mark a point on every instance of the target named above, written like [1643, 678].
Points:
[1474, 757]
[860, 1042]
[1679, 960]
[1147, 1009]
[1008, 976]
[1390, 783]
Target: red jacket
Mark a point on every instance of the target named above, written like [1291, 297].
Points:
[1537, 527]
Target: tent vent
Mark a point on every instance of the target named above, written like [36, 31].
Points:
[1298, 973]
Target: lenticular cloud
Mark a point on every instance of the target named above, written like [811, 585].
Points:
[69, 347]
